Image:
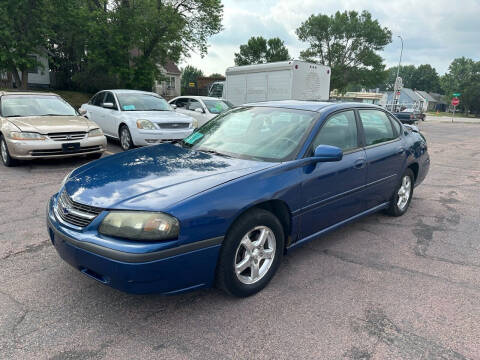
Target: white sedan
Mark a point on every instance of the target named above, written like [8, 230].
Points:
[201, 108]
[136, 118]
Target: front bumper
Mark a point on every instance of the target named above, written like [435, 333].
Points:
[167, 271]
[28, 149]
[150, 137]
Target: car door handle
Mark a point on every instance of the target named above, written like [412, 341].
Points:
[359, 164]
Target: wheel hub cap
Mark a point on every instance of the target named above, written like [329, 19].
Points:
[255, 255]
[404, 192]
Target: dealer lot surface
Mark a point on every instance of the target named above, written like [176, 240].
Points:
[381, 288]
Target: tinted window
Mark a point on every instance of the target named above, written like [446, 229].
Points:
[194, 104]
[340, 130]
[181, 103]
[376, 126]
[110, 99]
[98, 99]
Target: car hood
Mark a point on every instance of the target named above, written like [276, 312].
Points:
[52, 124]
[155, 177]
[158, 116]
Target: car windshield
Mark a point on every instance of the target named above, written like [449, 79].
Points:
[142, 102]
[35, 105]
[259, 133]
[217, 106]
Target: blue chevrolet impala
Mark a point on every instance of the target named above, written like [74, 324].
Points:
[224, 205]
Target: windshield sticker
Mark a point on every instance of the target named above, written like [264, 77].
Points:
[128, 107]
[193, 137]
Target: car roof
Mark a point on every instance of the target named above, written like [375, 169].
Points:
[311, 105]
[198, 97]
[124, 91]
[27, 93]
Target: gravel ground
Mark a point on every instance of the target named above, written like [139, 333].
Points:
[381, 288]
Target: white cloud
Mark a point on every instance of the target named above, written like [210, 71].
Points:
[434, 32]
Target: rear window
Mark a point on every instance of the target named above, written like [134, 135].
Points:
[376, 127]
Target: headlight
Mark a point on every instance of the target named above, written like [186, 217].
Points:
[95, 132]
[145, 124]
[18, 135]
[136, 225]
[195, 123]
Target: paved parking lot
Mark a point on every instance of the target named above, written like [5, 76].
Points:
[381, 288]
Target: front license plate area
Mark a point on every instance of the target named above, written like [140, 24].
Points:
[70, 147]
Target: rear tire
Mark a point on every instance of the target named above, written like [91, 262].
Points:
[5, 154]
[126, 142]
[251, 253]
[403, 195]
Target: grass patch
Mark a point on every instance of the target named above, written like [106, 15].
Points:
[449, 114]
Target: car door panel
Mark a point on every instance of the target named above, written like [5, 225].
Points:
[110, 116]
[385, 159]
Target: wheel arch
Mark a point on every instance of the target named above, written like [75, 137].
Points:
[415, 169]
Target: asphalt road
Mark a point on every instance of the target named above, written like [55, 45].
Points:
[381, 288]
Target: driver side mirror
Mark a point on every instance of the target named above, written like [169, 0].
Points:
[82, 112]
[200, 110]
[327, 153]
[109, 105]
[173, 106]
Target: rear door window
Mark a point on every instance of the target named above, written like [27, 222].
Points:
[98, 99]
[376, 127]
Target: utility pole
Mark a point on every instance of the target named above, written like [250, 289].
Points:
[395, 90]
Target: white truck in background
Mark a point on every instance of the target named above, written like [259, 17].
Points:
[284, 80]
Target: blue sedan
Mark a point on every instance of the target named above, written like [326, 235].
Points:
[224, 205]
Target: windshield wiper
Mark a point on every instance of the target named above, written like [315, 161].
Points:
[55, 115]
[15, 116]
[209, 151]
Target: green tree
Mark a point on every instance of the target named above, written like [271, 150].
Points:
[347, 42]
[23, 32]
[464, 77]
[121, 42]
[216, 75]
[407, 73]
[259, 50]
[426, 78]
[190, 74]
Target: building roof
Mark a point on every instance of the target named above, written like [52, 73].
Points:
[438, 97]
[171, 67]
[426, 96]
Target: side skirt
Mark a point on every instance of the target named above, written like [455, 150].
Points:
[337, 225]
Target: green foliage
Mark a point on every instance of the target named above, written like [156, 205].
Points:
[347, 42]
[120, 43]
[23, 32]
[190, 74]
[259, 50]
[424, 77]
[464, 77]
[216, 75]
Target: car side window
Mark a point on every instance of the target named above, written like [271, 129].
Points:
[376, 127]
[181, 103]
[109, 98]
[396, 125]
[98, 100]
[339, 130]
[194, 104]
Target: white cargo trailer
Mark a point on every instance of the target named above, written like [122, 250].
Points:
[285, 80]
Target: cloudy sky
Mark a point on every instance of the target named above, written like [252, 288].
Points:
[434, 31]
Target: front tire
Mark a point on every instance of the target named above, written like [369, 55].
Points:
[403, 195]
[251, 253]
[5, 154]
[125, 138]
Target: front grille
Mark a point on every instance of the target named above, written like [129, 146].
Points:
[48, 152]
[174, 126]
[67, 136]
[75, 213]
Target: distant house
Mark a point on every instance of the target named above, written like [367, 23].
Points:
[171, 86]
[441, 102]
[430, 103]
[361, 97]
[408, 99]
[39, 76]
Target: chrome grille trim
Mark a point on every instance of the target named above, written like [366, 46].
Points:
[173, 126]
[74, 213]
[67, 136]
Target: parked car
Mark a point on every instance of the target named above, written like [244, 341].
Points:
[43, 125]
[223, 205]
[136, 118]
[201, 108]
[409, 116]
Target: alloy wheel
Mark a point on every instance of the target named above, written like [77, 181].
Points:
[3, 150]
[125, 139]
[404, 192]
[255, 255]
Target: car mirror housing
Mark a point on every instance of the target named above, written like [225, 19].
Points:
[200, 110]
[82, 112]
[327, 153]
[108, 105]
[173, 106]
